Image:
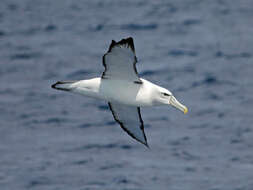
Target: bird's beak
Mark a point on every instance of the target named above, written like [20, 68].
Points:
[178, 105]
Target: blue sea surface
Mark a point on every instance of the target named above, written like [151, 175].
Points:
[200, 50]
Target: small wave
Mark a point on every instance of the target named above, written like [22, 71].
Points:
[186, 155]
[104, 146]
[190, 169]
[182, 52]
[103, 107]
[236, 141]
[85, 125]
[121, 179]
[221, 54]
[98, 27]
[209, 80]
[125, 146]
[50, 28]
[38, 182]
[181, 141]
[12, 7]
[112, 166]
[80, 162]
[139, 27]
[235, 159]
[2, 33]
[152, 72]
[221, 115]
[213, 96]
[24, 116]
[54, 120]
[98, 146]
[189, 22]
[111, 123]
[26, 56]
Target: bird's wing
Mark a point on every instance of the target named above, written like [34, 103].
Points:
[130, 120]
[120, 61]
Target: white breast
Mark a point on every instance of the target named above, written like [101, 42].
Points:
[126, 92]
[120, 91]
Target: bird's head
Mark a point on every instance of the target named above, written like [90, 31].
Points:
[166, 97]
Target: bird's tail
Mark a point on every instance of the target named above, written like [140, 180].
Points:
[63, 85]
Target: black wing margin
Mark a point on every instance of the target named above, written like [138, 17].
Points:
[129, 118]
[121, 64]
[128, 43]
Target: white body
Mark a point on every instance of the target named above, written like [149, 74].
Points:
[119, 91]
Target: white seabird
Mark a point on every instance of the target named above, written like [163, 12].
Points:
[123, 89]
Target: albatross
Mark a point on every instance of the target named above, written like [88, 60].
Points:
[123, 89]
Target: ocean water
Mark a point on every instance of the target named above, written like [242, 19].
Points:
[200, 50]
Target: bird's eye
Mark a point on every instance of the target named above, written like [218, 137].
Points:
[165, 94]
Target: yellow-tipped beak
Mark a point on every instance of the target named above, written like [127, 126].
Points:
[185, 110]
[178, 105]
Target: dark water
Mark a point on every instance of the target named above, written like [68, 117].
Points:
[201, 50]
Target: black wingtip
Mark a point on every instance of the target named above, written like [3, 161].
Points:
[146, 144]
[128, 41]
[54, 85]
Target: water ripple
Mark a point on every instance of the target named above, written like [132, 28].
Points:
[101, 146]
[39, 181]
[25, 56]
[183, 52]
[2, 33]
[81, 162]
[139, 26]
[189, 22]
[50, 28]
[112, 166]
[221, 54]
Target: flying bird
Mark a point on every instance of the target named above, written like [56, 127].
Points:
[123, 89]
